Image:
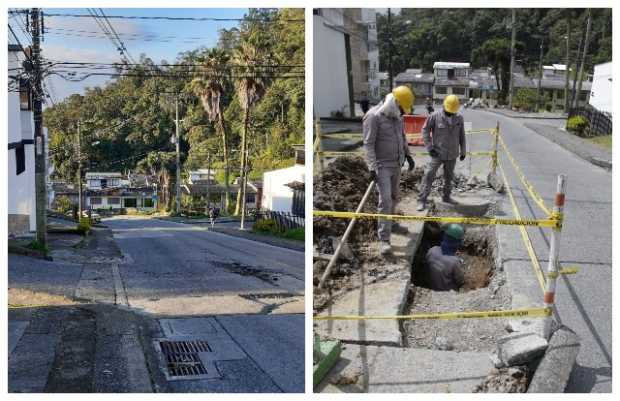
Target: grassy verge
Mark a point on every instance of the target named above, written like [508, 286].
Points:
[602, 141]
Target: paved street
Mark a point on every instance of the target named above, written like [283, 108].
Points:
[584, 300]
[175, 282]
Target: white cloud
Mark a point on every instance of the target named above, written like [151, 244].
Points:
[60, 52]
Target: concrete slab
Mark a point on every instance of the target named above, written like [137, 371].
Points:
[275, 343]
[556, 366]
[16, 331]
[465, 204]
[520, 348]
[377, 369]
[30, 363]
[382, 298]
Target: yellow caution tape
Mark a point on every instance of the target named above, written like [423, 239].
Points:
[438, 219]
[480, 131]
[527, 312]
[567, 270]
[361, 153]
[336, 135]
[530, 189]
[524, 236]
[468, 153]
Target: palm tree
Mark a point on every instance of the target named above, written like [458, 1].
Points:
[210, 87]
[250, 83]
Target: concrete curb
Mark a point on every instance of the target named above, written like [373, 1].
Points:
[528, 116]
[556, 365]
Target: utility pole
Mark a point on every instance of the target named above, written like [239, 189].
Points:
[583, 58]
[39, 155]
[390, 72]
[79, 170]
[577, 67]
[568, 32]
[178, 150]
[208, 180]
[244, 185]
[512, 56]
[540, 74]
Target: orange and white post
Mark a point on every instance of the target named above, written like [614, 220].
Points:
[554, 252]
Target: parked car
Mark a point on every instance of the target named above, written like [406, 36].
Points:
[94, 216]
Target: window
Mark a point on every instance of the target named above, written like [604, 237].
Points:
[560, 94]
[250, 198]
[583, 96]
[114, 201]
[148, 202]
[104, 183]
[458, 91]
[441, 90]
[20, 159]
[130, 202]
[451, 73]
[25, 98]
[442, 73]
[95, 201]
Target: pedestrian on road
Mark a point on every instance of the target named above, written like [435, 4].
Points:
[444, 138]
[444, 267]
[429, 106]
[214, 212]
[386, 151]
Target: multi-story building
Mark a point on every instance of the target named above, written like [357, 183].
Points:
[369, 18]
[451, 79]
[113, 191]
[21, 194]
[420, 82]
[602, 86]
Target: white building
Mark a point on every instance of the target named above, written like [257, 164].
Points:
[369, 17]
[277, 194]
[112, 191]
[331, 85]
[21, 186]
[602, 85]
[451, 79]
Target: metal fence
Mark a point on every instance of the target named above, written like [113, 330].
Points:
[599, 123]
[284, 220]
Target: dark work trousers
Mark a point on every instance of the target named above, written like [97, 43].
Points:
[429, 177]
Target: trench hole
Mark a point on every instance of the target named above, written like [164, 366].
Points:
[476, 253]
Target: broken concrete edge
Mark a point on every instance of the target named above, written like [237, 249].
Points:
[556, 365]
[405, 296]
[331, 351]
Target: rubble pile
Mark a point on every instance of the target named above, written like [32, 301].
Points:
[506, 380]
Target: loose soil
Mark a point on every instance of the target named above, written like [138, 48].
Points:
[484, 289]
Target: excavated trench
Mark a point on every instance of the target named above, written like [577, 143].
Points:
[484, 289]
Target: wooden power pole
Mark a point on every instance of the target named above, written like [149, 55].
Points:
[569, 18]
[583, 57]
[512, 57]
[39, 140]
[177, 142]
[540, 74]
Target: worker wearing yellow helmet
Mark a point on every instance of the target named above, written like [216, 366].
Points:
[444, 138]
[386, 151]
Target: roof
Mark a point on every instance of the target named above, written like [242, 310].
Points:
[448, 64]
[482, 79]
[415, 75]
[521, 81]
[557, 83]
[201, 189]
[95, 175]
[296, 185]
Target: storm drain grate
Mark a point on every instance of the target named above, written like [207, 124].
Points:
[182, 357]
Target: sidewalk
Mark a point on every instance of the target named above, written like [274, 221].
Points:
[519, 114]
[579, 146]
[264, 238]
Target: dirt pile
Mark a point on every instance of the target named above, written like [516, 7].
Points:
[506, 380]
[340, 187]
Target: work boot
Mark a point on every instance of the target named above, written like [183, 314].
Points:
[385, 248]
[421, 206]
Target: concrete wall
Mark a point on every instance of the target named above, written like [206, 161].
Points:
[276, 195]
[330, 85]
[602, 86]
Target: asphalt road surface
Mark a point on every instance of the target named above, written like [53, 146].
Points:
[584, 300]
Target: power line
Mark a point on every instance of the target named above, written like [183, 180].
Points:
[122, 45]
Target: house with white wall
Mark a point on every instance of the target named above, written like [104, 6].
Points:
[113, 191]
[283, 189]
[21, 184]
[602, 86]
[451, 79]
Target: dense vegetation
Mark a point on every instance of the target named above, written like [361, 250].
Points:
[230, 103]
[482, 37]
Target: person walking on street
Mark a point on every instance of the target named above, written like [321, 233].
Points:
[444, 138]
[386, 151]
[429, 106]
[445, 270]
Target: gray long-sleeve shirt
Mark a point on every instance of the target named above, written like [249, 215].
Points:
[448, 135]
[445, 271]
[384, 140]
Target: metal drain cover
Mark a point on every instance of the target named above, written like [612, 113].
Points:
[182, 360]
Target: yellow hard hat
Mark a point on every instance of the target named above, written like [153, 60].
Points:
[451, 104]
[404, 97]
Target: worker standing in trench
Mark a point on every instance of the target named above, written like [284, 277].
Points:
[386, 151]
[444, 146]
[445, 270]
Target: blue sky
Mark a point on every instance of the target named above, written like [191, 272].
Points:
[168, 38]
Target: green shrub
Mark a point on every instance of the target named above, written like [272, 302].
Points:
[63, 204]
[266, 226]
[295, 233]
[37, 246]
[577, 124]
[525, 99]
[83, 226]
